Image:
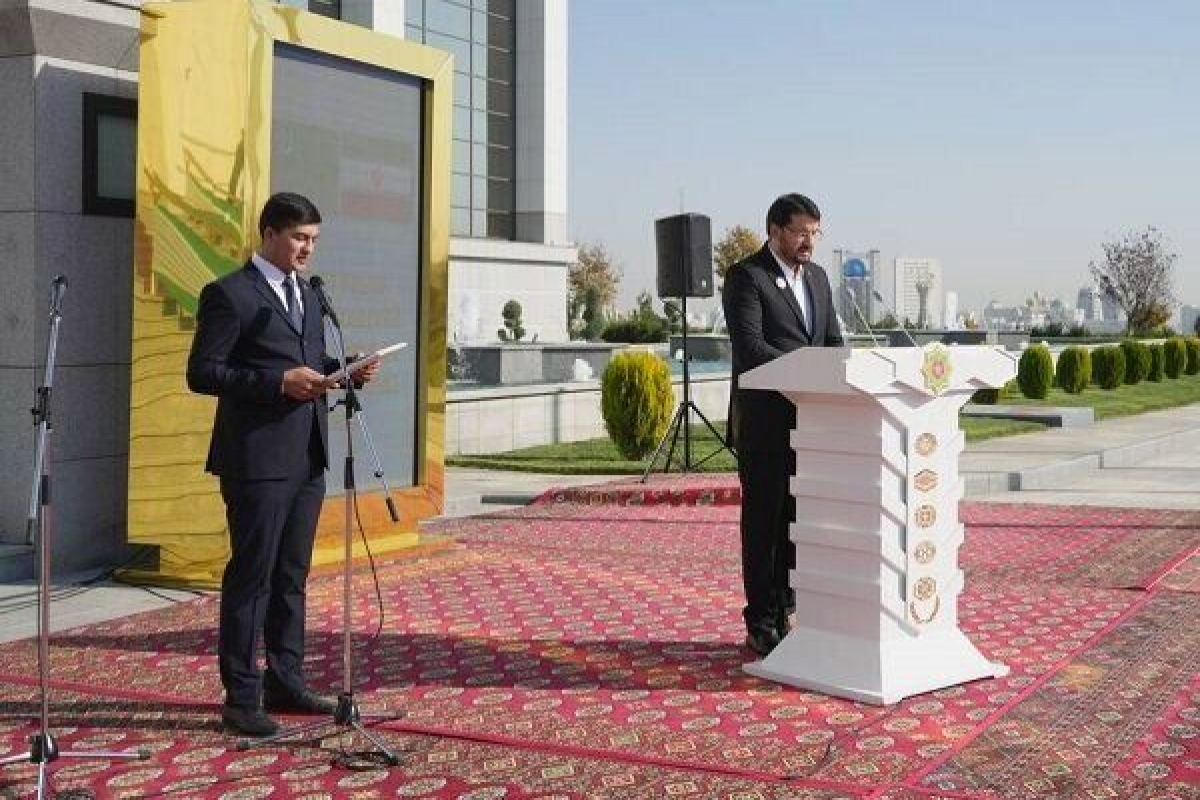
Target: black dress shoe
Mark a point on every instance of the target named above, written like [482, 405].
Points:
[762, 641]
[251, 721]
[302, 702]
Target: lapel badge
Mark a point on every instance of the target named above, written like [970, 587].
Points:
[781, 283]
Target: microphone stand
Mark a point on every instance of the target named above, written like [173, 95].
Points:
[891, 310]
[346, 716]
[851, 294]
[43, 749]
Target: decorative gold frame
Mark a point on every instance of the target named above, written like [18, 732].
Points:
[202, 175]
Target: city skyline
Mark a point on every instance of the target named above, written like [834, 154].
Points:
[1007, 141]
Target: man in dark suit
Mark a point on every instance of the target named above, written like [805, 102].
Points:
[260, 348]
[775, 301]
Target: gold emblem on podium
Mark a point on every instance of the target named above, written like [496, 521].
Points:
[925, 552]
[924, 590]
[926, 443]
[926, 480]
[925, 516]
[937, 369]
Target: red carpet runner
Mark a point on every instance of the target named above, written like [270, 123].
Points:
[589, 646]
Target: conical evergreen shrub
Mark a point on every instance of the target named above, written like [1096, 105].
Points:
[636, 400]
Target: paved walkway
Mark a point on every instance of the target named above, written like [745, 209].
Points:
[1151, 460]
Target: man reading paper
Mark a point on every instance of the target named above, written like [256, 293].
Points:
[259, 348]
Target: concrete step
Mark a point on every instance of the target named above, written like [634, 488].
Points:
[16, 562]
[1064, 471]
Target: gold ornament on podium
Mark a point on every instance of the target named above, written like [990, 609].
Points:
[926, 480]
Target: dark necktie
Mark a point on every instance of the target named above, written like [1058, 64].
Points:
[293, 303]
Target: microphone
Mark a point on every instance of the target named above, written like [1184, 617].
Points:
[850, 294]
[57, 289]
[318, 287]
[879, 298]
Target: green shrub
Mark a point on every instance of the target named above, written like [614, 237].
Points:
[1137, 361]
[1108, 366]
[513, 330]
[1074, 370]
[636, 401]
[1175, 357]
[1193, 355]
[635, 331]
[1010, 389]
[1035, 372]
[1157, 362]
[986, 396]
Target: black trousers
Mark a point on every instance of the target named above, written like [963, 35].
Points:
[272, 525]
[768, 554]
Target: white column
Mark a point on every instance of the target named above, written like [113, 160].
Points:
[541, 121]
[384, 16]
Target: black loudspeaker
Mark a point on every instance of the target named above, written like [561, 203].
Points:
[685, 267]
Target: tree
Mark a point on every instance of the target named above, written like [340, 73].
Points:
[595, 269]
[1136, 274]
[1196, 326]
[593, 314]
[739, 242]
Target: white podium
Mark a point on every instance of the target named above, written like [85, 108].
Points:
[877, 531]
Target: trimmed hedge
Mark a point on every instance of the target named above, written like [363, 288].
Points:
[1193, 355]
[1157, 362]
[635, 331]
[1108, 367]
[636, 400]
[1035, 372]
[1074, 370]
[1137, 361]
[1175, 357]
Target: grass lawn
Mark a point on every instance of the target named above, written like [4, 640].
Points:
[1126, 400]
[600, 457]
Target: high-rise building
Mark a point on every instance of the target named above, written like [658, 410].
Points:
[508, 203]
[919, 287]
[950, 319]
[1089, 302]
[855, 275]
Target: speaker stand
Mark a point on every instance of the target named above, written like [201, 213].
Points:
[681, 421]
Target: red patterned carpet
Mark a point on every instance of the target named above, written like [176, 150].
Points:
[589, 646]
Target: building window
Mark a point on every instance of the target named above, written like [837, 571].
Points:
[481, 35]
[109, 155]
[326, 8]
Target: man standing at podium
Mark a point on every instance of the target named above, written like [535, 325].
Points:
[775, 301]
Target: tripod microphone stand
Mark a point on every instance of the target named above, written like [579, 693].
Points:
[346, 716]
[681, 420]
[43, 749]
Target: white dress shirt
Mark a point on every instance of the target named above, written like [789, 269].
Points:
[275, 276]
[795, 282]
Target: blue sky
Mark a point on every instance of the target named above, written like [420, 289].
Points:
[1008, 139]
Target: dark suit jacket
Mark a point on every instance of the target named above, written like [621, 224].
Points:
[243, 345]
[764, 322]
